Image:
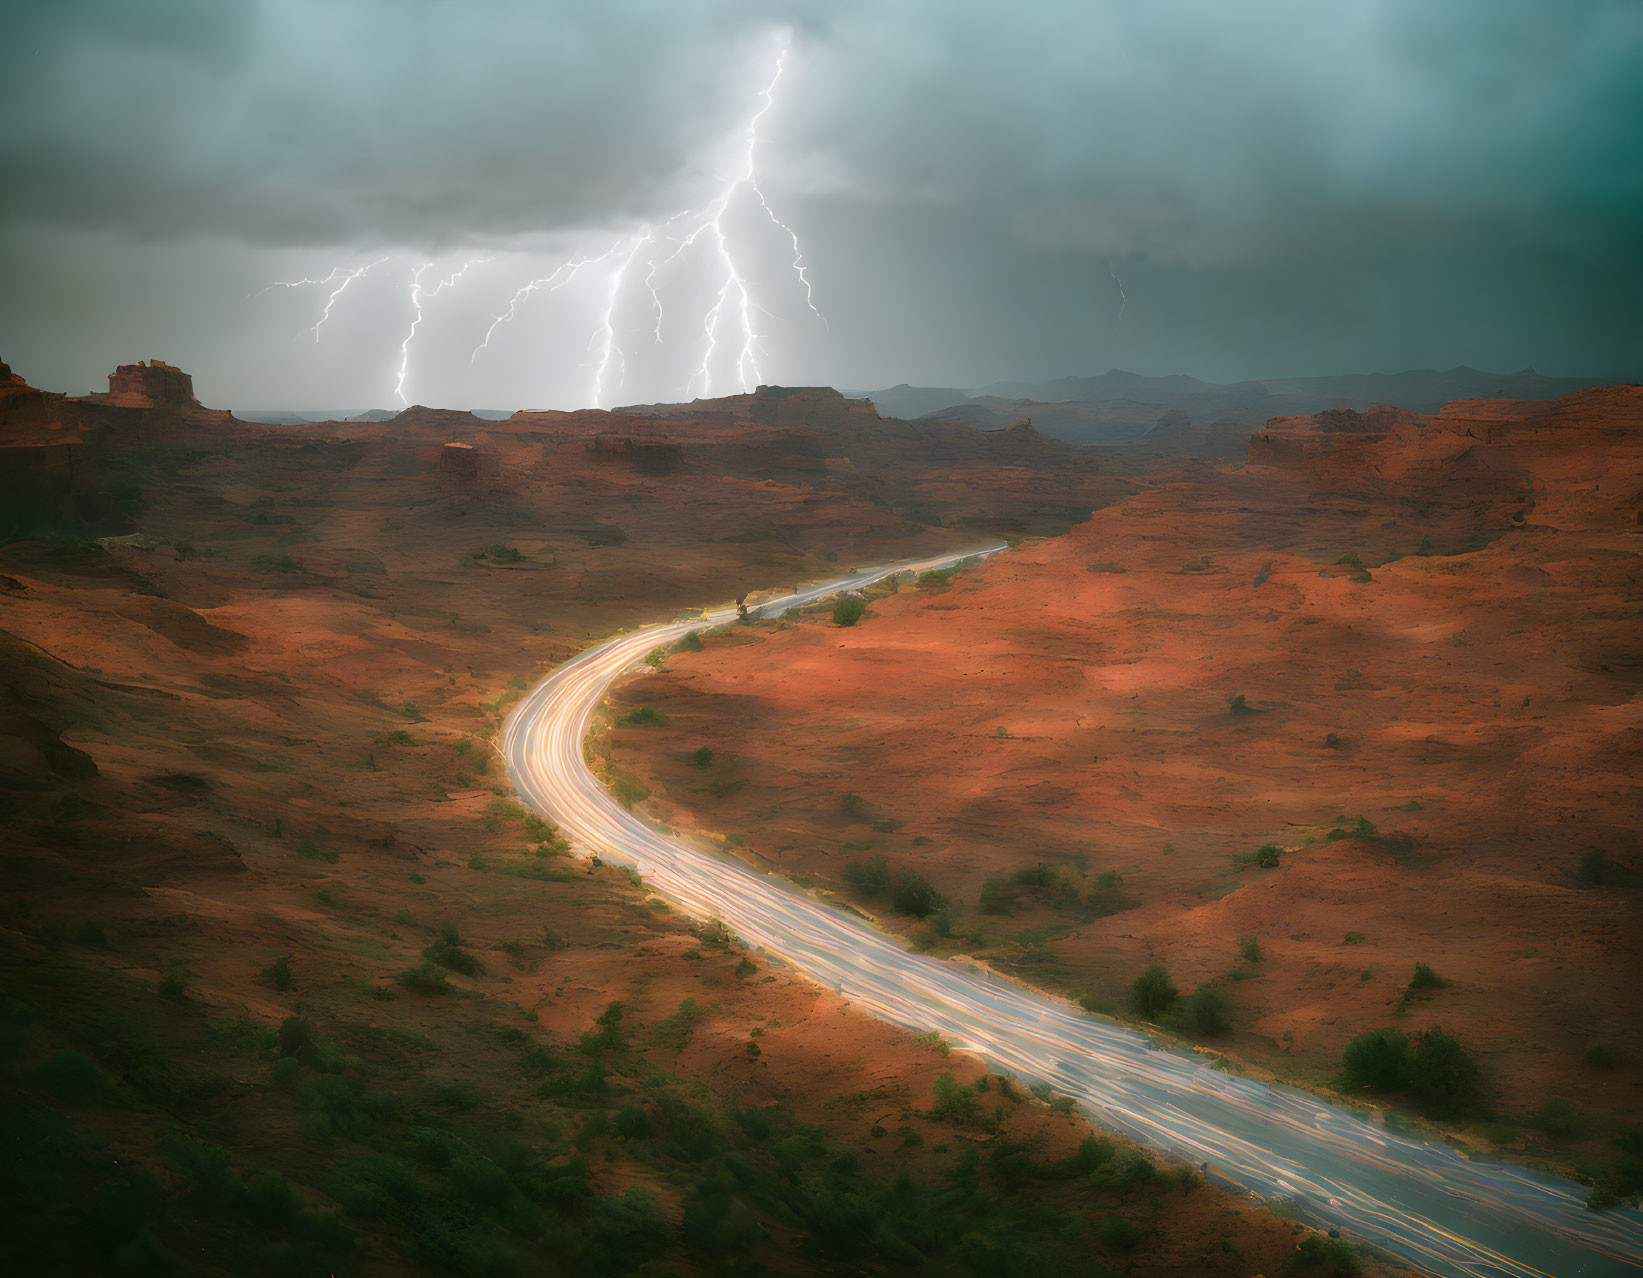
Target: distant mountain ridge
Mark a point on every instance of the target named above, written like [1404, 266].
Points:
[1117, 406]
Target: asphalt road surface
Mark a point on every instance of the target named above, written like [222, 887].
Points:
[1419, 1199]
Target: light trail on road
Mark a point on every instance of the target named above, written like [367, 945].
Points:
[1419, 1199]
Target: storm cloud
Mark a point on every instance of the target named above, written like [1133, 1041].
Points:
[1277, 188]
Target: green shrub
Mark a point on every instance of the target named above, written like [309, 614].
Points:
[692, 642]
[309, 852]
[868, 878]
[934, 579]
[1153, 993]
[1557, 1118]
[1210, 1010]
[1266, 856]
[745, 968]
[1594, 867]
[278, 973]
[911, 893]
[996, 896]
[1603, 1056]
[1352, 938]
[1426, 979]
[538, 829]
[1119, 1234]
[1250, 948]
[848, 610]
[1443, 1077]
[645, 715]
[425, 978]
[174, 984]
[448, 954]
[703, 757]
[1237, 705]
[1378, 1060]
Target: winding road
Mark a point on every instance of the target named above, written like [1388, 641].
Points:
[1420, 1200]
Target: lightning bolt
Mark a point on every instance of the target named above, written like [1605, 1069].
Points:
[734, 283]
[346, 277]
[552, 281]
[607, 330]
[1123, 298]
[417, 296]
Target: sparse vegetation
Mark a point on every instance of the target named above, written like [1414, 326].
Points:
[278, 973]
[1437, 1072]
[645, 716]
[1237, 705]
[1250, 948]
[848, 610]
[1425, 978]
[703, 757]
[1153, 993]
[1209, 1010]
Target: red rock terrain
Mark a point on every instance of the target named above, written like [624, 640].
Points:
[1433, 627]
[292, 984]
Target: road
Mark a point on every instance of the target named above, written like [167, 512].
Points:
[1421, 1200]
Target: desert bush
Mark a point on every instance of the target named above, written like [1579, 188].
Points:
[911, 893]
[309, 852]
[174, 984]
[1352, 938]
[538, 829]
[1250, 948]
[425, 978]
[1237, 705]
[1153, 993]
[645, 716]
[1603, 1056]
[848, 610]
[1557, 1118]
[1425, 978]
[1594, 868]
[1210, 1010]
[868, 878]
[446, 951]
[1119, 1234]
[692, 642]
[955, 1103]
[703, 757]
[1443, 1077]
[1378, 1060]
[934, 579]
[1266, 856]
[996, 896]
[278, 973]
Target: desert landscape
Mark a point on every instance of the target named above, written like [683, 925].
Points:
[942, 640]
[1287, 729]
[280, 935]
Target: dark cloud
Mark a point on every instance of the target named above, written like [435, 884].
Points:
[1281, 186]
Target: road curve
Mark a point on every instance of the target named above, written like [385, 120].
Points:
[1420, 1200]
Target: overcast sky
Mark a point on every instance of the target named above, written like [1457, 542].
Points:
[980, 191]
